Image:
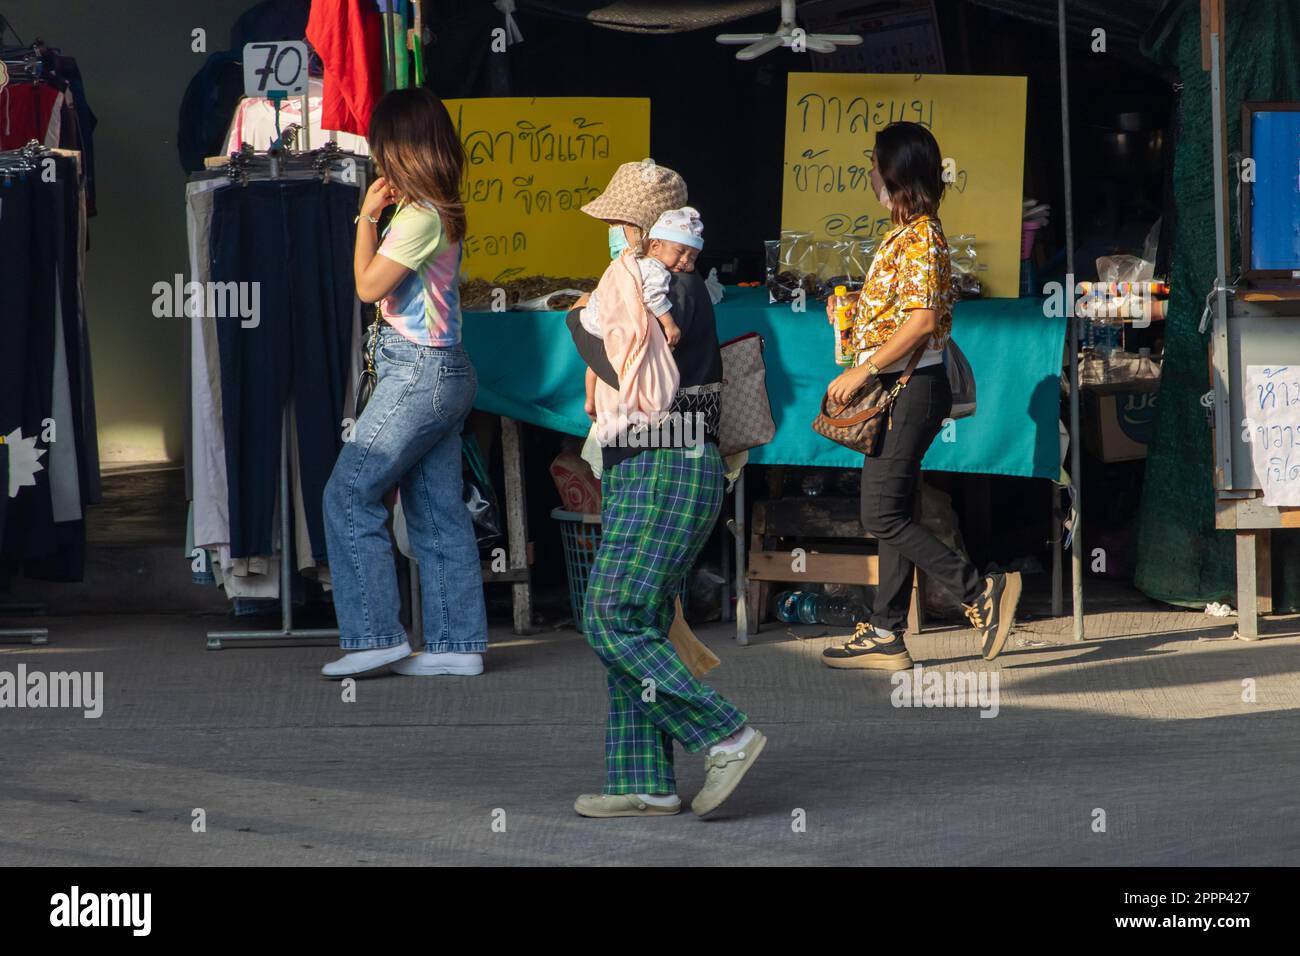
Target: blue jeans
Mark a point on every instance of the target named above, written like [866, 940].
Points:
[408, 435]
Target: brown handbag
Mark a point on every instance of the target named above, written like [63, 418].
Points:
[745, 416]
[857, 425]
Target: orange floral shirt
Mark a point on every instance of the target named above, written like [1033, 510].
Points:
[910, 271]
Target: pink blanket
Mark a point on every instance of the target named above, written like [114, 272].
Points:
[636, 347]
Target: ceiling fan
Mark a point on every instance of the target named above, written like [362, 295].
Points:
[790, 34]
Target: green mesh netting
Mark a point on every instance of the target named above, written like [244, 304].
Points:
[1182, 559]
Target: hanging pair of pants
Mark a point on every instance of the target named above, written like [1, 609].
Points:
[890, 480]
[408, 436]
[29, 266]
[285, 246]
[63, 552]
[658, 509]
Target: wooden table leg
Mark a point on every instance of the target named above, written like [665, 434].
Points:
[1264, 571]
[916, 605]
[1247, 585]
[742, 608]
[516, 522]
[1058, 595]
[729, 586]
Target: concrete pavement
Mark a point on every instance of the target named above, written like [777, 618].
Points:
[1147, 723]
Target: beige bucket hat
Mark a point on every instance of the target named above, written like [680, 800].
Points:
[639, 193]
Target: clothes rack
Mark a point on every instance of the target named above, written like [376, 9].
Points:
[36, 635]
[47, 378]
[239, 167]
[286, 631]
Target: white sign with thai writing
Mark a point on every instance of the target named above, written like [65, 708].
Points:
[1271, 427]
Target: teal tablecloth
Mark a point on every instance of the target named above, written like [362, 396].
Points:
[528, 369]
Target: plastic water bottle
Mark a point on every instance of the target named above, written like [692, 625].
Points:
[809, 607]
[838, 611]
[1146, 367]
[1106, 339]
[789, 604]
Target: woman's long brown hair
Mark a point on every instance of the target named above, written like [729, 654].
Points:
[417, 150]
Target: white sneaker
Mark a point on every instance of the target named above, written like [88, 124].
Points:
[363, 662]
[428, 664]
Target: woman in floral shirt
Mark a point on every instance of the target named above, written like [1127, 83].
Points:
[902, 316]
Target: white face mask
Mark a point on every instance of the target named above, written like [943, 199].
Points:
[883, 196]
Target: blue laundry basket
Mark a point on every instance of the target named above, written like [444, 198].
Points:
[580, 535]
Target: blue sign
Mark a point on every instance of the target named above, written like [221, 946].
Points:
[1275, 195]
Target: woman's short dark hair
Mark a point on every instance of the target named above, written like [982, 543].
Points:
[908, 160]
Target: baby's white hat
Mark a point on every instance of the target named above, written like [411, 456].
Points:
[680, 225]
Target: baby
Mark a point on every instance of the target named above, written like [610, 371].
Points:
[675, 243]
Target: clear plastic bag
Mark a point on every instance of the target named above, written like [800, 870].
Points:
[832, 259]
[797, 251]
[789, 261]
[964, 258]
[861, 251]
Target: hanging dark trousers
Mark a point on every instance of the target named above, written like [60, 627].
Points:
[294, 239]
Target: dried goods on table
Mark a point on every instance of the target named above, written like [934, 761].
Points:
[782, 286]
[476, 295]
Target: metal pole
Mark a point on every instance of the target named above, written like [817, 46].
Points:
[1249, 543]
[742, 610]
[1076, 544]
[38, 635]
[286, 527]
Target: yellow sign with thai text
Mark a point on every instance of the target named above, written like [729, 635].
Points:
[530, 164]
[831, 123]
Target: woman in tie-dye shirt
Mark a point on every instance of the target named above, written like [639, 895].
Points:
[408, 436]
[902, 320]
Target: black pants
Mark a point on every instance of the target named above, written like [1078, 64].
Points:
[295, 239]
[28, 252]
[62, 556]
[889, 487]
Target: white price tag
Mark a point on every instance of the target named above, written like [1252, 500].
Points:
[275, 68]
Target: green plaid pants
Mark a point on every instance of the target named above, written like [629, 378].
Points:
[658, 510]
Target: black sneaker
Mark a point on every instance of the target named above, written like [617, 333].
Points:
[994, 613]
[867, 649]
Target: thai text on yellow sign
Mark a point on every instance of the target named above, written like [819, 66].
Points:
[979, 121]
[530, 164]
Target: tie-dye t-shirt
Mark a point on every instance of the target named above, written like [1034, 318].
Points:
[425, 306]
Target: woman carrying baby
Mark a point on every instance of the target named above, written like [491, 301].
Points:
[662, 491]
